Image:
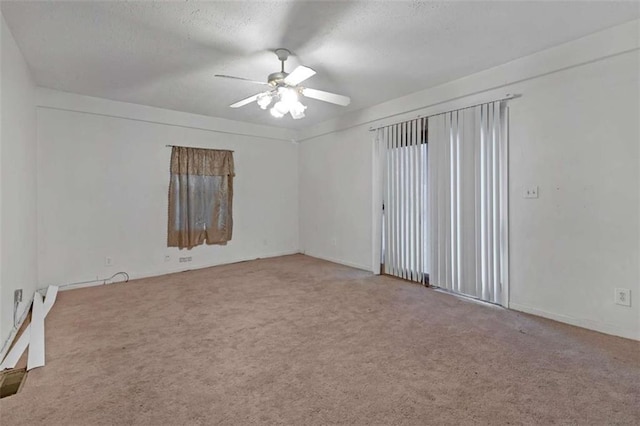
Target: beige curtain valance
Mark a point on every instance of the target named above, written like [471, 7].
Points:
[201, 162]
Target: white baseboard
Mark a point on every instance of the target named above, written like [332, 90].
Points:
[187, 267]
[14, 331]
[338, 261]
[579, 322]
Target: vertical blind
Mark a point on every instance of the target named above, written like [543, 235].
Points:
[444, 194]
[468, 201]
[405, 231]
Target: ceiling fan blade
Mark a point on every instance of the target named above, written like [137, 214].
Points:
[245, 101]
[298, 75]
[241, 79]
[321, 95]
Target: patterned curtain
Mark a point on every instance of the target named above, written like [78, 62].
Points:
[200, 197]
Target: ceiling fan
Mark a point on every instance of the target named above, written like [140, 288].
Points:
[285, 89]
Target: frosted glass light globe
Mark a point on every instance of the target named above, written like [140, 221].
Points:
[276, 113]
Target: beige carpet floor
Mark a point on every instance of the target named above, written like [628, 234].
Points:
[296, 340]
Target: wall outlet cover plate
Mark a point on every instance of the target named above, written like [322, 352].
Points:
[623, 297]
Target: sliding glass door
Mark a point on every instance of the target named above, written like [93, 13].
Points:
[468, 215]
[444, 197]
[405, 230]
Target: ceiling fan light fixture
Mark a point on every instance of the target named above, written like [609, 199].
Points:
[297, 111]
[282, 107]
[274, 112]
[288, 95]
[264, 100]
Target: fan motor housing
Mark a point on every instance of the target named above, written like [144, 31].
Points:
[277, 78]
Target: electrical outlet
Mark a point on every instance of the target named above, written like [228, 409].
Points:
[17, 296]
[108, 261]
[623, 297]
[531, 192]
[184, 259]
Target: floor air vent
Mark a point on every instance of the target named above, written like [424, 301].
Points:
[11, 381]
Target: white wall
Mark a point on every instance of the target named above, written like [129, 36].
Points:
[103, 182]
[574, 133]
[18, 263]
[335, 197]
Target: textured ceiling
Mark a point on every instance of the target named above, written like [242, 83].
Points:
[165, 54]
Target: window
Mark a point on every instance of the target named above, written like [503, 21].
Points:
[200, 197]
